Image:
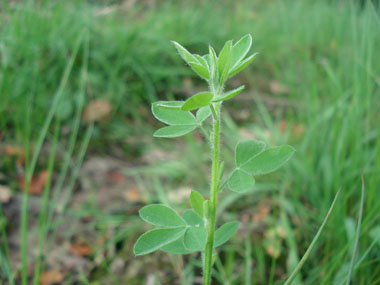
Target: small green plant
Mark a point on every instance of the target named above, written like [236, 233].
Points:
[194, 231]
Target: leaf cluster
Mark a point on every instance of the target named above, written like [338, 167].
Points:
[179, 234]
[213, 68]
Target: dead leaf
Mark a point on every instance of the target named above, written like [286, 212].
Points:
[282, 126]
[13, 150]
[263, 211]
[5, 194]
[272, 244]
[81, 249]
[36, 185]
[116, 176]
[272, 251]
[132, 194]
[51, 277]
[245, 218]
[278, 88]
[97, 111]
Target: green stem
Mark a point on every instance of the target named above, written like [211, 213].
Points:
[213, 196]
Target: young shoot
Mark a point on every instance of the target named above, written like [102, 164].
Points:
[195, 230]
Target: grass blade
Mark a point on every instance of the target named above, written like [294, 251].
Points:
[31, 167]
[313, 243]
[42, 231]
[356, 244]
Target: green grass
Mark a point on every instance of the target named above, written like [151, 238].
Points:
[325, 52]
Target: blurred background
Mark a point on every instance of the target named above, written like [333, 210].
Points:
[78, 159]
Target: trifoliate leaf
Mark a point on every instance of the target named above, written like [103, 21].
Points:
[176, 247]
[192, 61]
[206, 57]
[213, 64]
[229, 94]
[192, 218]
[196, 201]
[157, 238]
[198, 100]
[242, 65]
[185, 54]
[174, 131]
[161, 215]
[224, 61]
[269, 160]
[246, 150]
[203, 113]
[195, 239]
[173, 117]
[202, 60]
[200, 70]
[240, 50]
[240, 181]
[225, 232]
[176, 105]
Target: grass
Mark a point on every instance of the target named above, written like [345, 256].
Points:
[324, 52]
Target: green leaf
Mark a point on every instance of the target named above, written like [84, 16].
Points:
[176, 105]
[185, 54]
[229, 94]
[213, 64]
[198, 100]
[242, 65]
[195, 239]
[269, 160]
[225, 232]
[196, 201]
[202, 60]
[203, 113]
[174, 131]
[192, 61]
[192, 218]
[173, 117]
[224, 61]
[206, 57]
[240, 181]
[176, 247]
[161, 215]
[240, 50]
[246, 150]
[200, 70]
[157, 238]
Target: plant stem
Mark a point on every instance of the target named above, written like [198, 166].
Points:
[213, 196]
